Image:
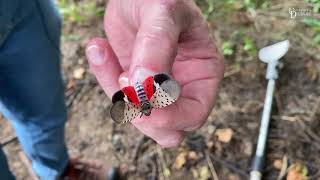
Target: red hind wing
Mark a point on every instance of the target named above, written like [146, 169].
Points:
[131, 94]
[148, 86]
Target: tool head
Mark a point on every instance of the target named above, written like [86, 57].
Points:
[273, 53]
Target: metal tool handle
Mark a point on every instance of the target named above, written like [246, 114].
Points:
[270, 55]
[258, 161]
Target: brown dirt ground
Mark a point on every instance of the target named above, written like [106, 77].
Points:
[295, 122]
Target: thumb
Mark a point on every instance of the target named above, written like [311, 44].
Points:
[156, 43]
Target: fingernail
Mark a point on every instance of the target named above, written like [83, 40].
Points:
[140, 74]
[95, 55]
[124, 82]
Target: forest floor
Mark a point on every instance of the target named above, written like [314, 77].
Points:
[227, 140]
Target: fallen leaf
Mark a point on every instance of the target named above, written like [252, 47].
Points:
[195, 173]
[166, 172]
[71, 85]
[247, 149]
[224, 135]
[233, 177]
[297, 172]
[243, 18]
[204, 173]
[193, 156]
[181, 159]
[278, 164]
[210, 144]
[238, 5]
[78, 73]
[211, 129]
[312, 70]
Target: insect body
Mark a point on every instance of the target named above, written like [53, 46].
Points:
[142, 96]
[155, 92]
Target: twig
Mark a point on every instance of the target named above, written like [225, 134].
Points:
[81, 87]
[230, 166]
[82, 91]
[314, 166]
[314, 176]
[210, 164]
[154, 170]
[9, 140]
[310, 133]
[27, 163]
[71, 96]
[137, 148]
[278, 100]
[284, 168]
[285, 118]
[315, 110]
[162, 163]
[231, 72]
[149, 161]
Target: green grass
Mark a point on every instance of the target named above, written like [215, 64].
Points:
[79, 12]
[313, 22]
[207, 7]
[227, 48]
[316, 5]
[315, 25]
[249, 46]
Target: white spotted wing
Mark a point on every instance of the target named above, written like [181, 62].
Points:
[131, 111]
[124, 111]
[165, 94]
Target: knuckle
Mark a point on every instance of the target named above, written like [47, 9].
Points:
[165, 123]
[170, 5]
[182, 12]
[156, 37]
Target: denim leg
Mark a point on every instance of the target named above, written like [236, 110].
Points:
[31, 90]
[5, 173]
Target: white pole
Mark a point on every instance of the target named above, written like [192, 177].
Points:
[263, 133]
[265, 118]
[270, 55]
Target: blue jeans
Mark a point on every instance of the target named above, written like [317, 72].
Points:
[31, 88]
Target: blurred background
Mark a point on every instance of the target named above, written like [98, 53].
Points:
[227, 141]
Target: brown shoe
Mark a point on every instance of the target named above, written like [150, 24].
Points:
[90, 170]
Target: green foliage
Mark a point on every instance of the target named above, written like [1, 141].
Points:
[315, 25]
[256, 4]
[207, 7]
[79, 12]
[249, 4]
[316, 3]
[70, 37]
[249, 46]
[246, 46]
[231, 1]
[220, 7]
[313, 22]
[316, 39]
[210, 9]
[227, 48]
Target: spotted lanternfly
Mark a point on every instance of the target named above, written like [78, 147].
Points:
[155, 92]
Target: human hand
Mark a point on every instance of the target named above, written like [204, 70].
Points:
[146, 37]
